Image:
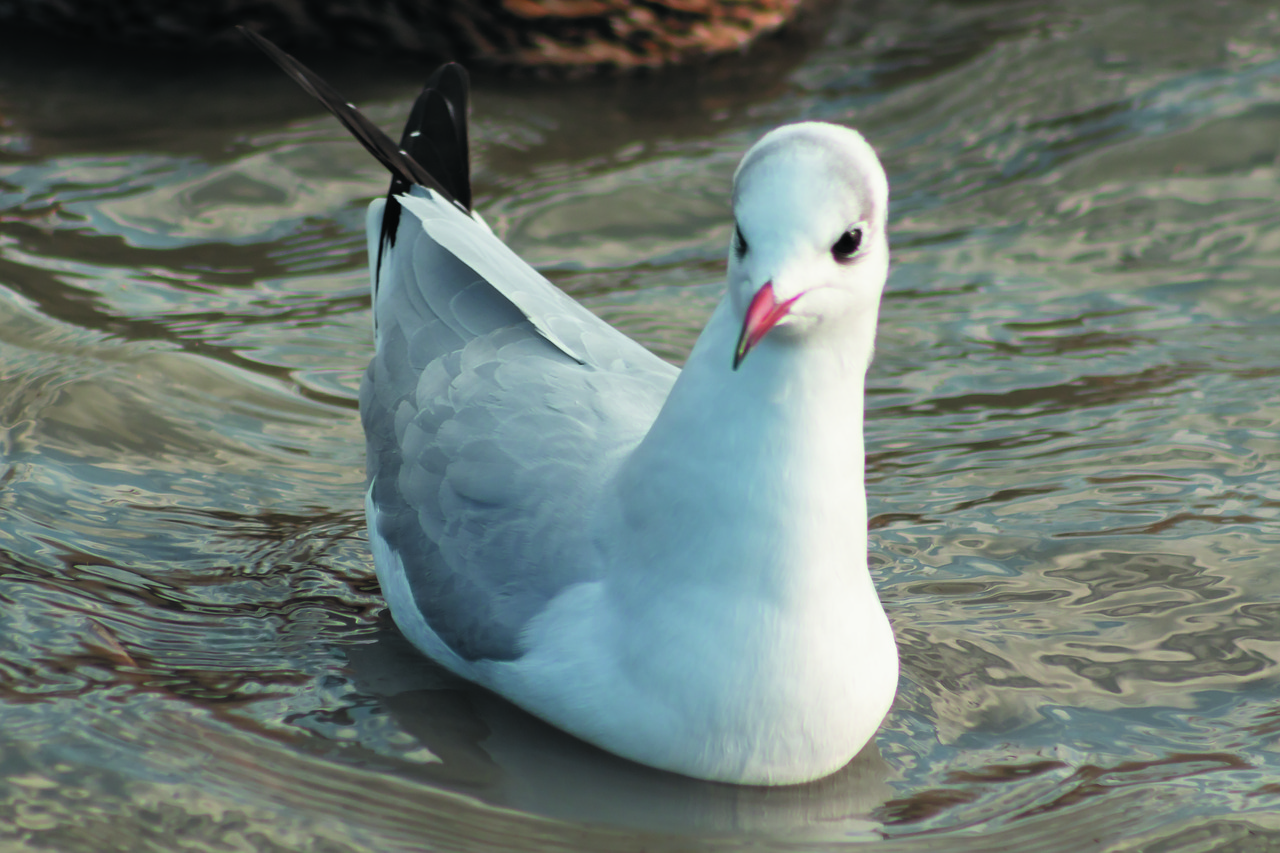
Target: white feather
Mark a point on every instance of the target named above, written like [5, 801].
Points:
[670, 566]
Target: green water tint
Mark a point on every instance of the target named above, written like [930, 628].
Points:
[1073, 450]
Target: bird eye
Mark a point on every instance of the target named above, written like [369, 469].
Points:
[739, 242]
[847, 246]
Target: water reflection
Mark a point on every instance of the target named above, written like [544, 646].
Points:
[486, 747]
[1073, 462]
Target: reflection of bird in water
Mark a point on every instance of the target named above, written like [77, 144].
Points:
[668, 564]
[492, 750]
[566, 34]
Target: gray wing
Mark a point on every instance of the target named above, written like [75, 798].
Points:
[491, 409]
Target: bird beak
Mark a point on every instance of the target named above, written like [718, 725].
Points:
[762, 314]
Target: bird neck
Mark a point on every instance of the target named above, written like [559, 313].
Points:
[756, 472]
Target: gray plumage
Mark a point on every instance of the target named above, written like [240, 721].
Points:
[479, 426]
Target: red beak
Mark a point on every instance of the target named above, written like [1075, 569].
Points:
[762, 314]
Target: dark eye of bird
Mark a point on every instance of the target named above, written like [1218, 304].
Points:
[739, 242]
[847, 246]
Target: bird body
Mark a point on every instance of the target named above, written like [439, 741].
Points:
[670, 564]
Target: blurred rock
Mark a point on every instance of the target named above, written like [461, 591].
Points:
[561, 34]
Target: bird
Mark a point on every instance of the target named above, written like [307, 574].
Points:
[668, 563]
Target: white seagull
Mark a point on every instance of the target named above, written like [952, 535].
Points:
[670, 564]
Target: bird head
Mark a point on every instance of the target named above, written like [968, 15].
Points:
[809, 251]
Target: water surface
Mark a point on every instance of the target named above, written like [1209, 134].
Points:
[1074, 464]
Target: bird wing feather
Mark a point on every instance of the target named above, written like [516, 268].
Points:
[492, 408]
[494, 403]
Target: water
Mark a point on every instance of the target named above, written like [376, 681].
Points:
[1074, 463]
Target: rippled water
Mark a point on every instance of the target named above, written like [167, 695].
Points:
[1074, 456]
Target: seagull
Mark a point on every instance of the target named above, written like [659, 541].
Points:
[669, 564]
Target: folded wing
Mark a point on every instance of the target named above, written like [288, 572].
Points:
[494, 405]
[487, 427]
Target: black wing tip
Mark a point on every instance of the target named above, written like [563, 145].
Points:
[433, 151]
[438, 125]
[404, 168]
[450, 73]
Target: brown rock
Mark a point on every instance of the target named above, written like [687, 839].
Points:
[522, 33]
